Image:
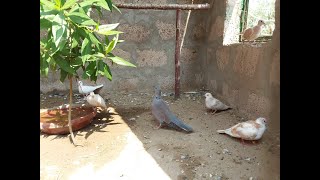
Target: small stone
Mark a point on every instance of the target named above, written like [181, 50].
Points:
[210, 175]
[218, 152]
[222, 158]
[184, 156]
[132, 119]
[250, 178]
[205, 113]
[137, 116]
[50, 96]
[159, 149]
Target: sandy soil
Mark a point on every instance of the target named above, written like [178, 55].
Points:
[122, 144]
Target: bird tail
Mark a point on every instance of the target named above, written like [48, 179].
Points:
[181, 125]
[221, 131]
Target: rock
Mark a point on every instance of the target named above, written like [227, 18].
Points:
[216, 177]
[132, 119]
[159, 149]
[184, 156]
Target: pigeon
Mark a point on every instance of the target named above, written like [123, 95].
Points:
[162, 113]
[253, 33]
[87, 89]
[96, 100]
[214, 104]
[248, 130]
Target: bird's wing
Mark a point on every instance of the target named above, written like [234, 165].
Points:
[210, 102]
[220, 105]
[165, 109]
[158, 112]
[247, 33]
[246, 130]
[100, 100]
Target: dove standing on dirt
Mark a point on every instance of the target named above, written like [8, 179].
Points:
[248, 130]
[253, 33]
[96, 100]
[162, 113]
[214, 104]
[87, 89]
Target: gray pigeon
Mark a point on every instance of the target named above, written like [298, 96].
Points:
[162, 113]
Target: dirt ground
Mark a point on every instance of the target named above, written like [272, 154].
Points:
[122, 144]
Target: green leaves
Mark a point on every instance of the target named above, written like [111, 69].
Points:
[112, 44]
[109, 4]
[64, 64]
[59, 31]
[48, 4]
[76, 40]
[68, 4]
[104, 69]
[120, 61]
[45, 23]
[107, 29]
[81, 18]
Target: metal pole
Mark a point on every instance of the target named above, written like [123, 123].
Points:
[177, 57]
[178, 8]
[165, 6]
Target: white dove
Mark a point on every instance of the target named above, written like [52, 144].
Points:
[87, 89]
[214, 104]
[253, 33]
[96, 100]
[248, 130]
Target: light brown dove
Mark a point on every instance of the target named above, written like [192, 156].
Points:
[249, 130]
[253, 33]
[96, 100]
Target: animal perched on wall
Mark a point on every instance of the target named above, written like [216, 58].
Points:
[214, 104]
[162, 113]
[253, 33]
[248, 130]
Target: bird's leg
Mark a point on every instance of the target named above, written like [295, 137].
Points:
[158, 127]
[242, 142]
[213, 112]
